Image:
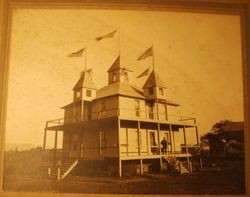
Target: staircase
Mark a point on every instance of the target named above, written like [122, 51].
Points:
[176, 165]
[65, 169]
[182, 168]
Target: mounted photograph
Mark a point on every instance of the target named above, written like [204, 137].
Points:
[119, 101]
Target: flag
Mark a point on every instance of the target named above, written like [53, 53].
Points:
[77, 53]
[109, 35]
[145, 73]
[89, 71]
[147, 53]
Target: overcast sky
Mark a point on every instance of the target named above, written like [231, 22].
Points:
[198, 56]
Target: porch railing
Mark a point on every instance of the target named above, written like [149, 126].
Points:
[124, 113]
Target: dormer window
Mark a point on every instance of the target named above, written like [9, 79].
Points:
[114, 78]
[88, 93]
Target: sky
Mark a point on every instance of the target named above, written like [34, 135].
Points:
[197, 55]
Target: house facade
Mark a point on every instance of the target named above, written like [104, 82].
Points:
[122, 123]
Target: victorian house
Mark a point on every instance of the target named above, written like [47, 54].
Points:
[120, 125]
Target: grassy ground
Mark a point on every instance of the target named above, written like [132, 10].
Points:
[200, 183]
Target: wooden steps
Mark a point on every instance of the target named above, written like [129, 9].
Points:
[66, 168]
[176, 165]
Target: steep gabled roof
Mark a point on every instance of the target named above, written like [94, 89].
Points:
[119, 88]
[85, 81]
[115, 65]
[154, 81]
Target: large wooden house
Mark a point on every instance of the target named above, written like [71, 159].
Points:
[120, 124]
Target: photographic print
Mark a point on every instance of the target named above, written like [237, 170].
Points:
[110, 101]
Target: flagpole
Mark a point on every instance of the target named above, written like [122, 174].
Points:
[119, 42]
[153, 57]
[85, 64]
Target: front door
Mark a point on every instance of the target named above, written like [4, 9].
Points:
[153, 143]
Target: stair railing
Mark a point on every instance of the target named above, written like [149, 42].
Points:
[69, 169]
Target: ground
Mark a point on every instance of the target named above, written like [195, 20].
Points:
[211, 182]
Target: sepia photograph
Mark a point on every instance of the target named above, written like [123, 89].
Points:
[124, 101]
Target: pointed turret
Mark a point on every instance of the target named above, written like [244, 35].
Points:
[85, 88]
[154, 88]
[116, 73]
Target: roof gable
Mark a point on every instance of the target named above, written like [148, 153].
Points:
[115, 65]
[85, 81]
[154, 81]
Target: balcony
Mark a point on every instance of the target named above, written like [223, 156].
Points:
[123, 113]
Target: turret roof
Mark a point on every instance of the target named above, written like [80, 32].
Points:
[116, 65]
[85, 81]
[154, 81]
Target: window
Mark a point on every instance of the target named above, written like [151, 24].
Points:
[151, 111]
[151, 90]
[114, 77]
[137, 108]
[88, 93]
[78, 94]
[161, 91]
[125, 76]
[103, 105]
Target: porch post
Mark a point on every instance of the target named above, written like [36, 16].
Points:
[159, 143]
[81, 138]
[148, 143]
[185, 143]
[127, 140]
[139, 137]
[139, 143]
[44, 139]
[173, 140]
[119, 149]
[166, 111]
[196, 131]
[55, 147]
[170, 136]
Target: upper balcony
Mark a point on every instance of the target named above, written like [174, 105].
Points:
[126, 114]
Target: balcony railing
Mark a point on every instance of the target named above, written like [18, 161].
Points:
[123, 113]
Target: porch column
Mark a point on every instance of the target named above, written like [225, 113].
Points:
[166, 111]
[198, 141]
[186, 148]
[173, 141]
[148, 143]
[70, 143]
[139, 143]
[159, 143]
[197, 136]
[55, 147]
[44, 139]
[139, 137]
[81, 139]
[82, 110]
[119, 149]
[127, 140]
[170, 136]
[185, 139]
